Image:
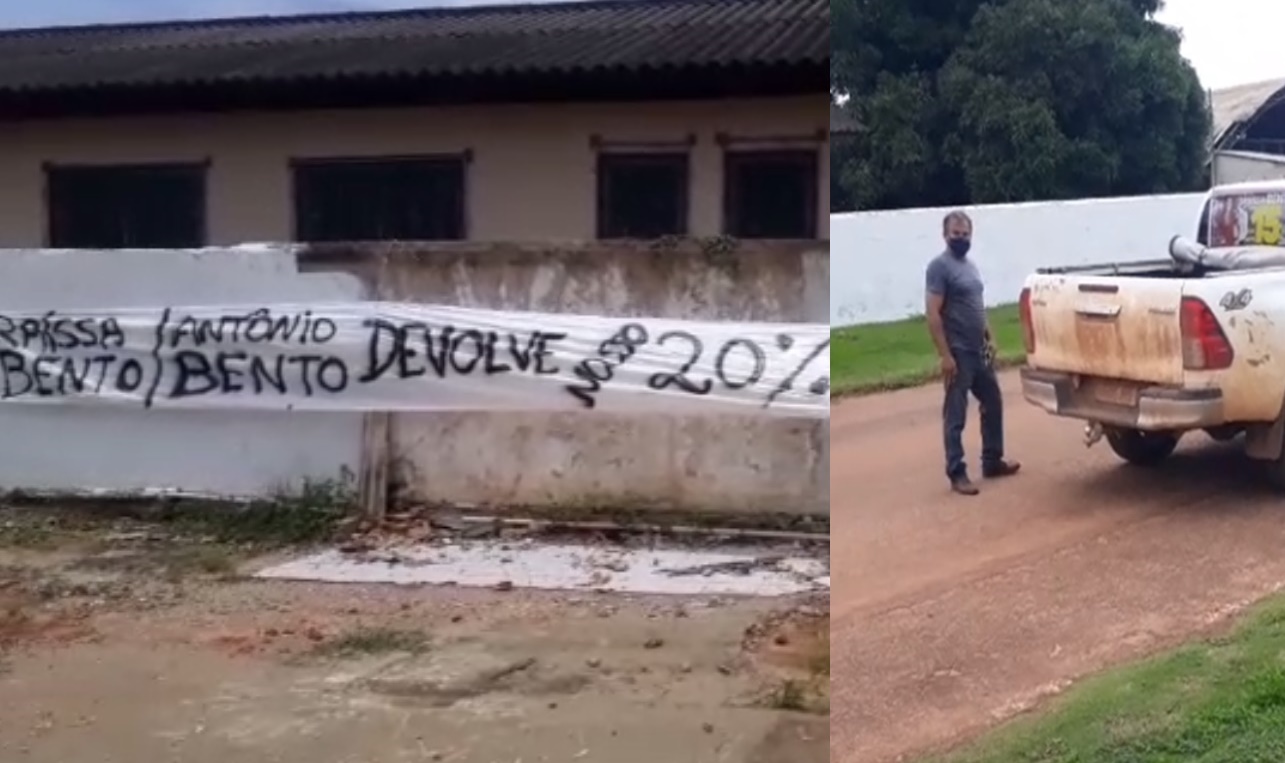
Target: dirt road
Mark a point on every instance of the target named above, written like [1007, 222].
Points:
[951, 613]
[123, 644]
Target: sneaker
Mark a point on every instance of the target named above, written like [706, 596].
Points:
[964, 486]
[1000, 469]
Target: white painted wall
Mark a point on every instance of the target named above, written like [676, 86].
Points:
[879, 257]
[228, 453]
[721, 463]
[1242, 167]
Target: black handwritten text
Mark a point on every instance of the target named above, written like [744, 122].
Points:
[409, 350]
[259, 326]
[52, 333]
[614, 352]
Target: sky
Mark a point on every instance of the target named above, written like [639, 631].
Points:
[1230, 42]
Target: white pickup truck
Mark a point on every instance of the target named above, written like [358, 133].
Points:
[1145, 352]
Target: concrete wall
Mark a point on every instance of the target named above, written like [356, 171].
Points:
[880, 256]
[714, 463]
[236, 453]
[532, 176]
[568, 460]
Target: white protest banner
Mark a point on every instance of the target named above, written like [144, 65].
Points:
[365, 356]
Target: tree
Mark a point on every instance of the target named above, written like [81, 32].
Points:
[977, 101]
[840, 150]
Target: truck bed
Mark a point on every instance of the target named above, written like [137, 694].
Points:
[1114, 331]
[1194, 341]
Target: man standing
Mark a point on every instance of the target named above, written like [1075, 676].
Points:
[957, 319]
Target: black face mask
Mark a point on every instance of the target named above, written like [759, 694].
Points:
[959, 246]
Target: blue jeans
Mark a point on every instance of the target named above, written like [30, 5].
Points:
[976, 376]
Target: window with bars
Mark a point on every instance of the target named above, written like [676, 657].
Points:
[771, 194]
[642, 195]
[155, 206]
[401, 199]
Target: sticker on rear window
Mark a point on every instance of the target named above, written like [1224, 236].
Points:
[1252, 219]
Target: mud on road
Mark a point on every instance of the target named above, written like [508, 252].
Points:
[952, 614]
[120, 642]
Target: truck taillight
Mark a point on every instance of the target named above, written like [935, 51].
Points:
[1028, 323]
[1204, 345]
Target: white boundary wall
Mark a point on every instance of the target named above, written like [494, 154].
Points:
[879, 257]
[77, 448]
[689, 461]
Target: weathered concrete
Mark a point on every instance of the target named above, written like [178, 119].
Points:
[585, 462]
[816, 286]
[603, 461]
[703, 279]
[570, 461]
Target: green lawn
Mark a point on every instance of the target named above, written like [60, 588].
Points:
[883, 356]
[1221, 701]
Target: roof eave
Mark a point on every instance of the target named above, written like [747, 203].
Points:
[402, 90]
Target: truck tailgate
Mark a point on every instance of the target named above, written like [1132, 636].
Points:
[1108, 327]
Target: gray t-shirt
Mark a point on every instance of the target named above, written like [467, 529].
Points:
[964, 314]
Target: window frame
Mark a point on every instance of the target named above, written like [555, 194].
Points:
[679, 154]
[464, 160]
[807, 157]
[200, 168]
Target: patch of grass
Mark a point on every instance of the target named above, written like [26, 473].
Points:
[215, 561]
[807, 688]
[878, 357]
[172, 561]
[791, 695]
[1219, 701]
[796, 695]
[299, 515]
[305, 516]
[25, 535]
[373, 641]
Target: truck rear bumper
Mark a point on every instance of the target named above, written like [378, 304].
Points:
[1135, 406]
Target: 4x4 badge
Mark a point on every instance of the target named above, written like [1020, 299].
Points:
[1240, 300]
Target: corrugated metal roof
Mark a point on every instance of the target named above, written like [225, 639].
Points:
[1235, 104]
[635, 35]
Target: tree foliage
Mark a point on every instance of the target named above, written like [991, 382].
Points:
[979, 101]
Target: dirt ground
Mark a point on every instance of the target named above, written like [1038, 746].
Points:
[952, 614]
[120, 643]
